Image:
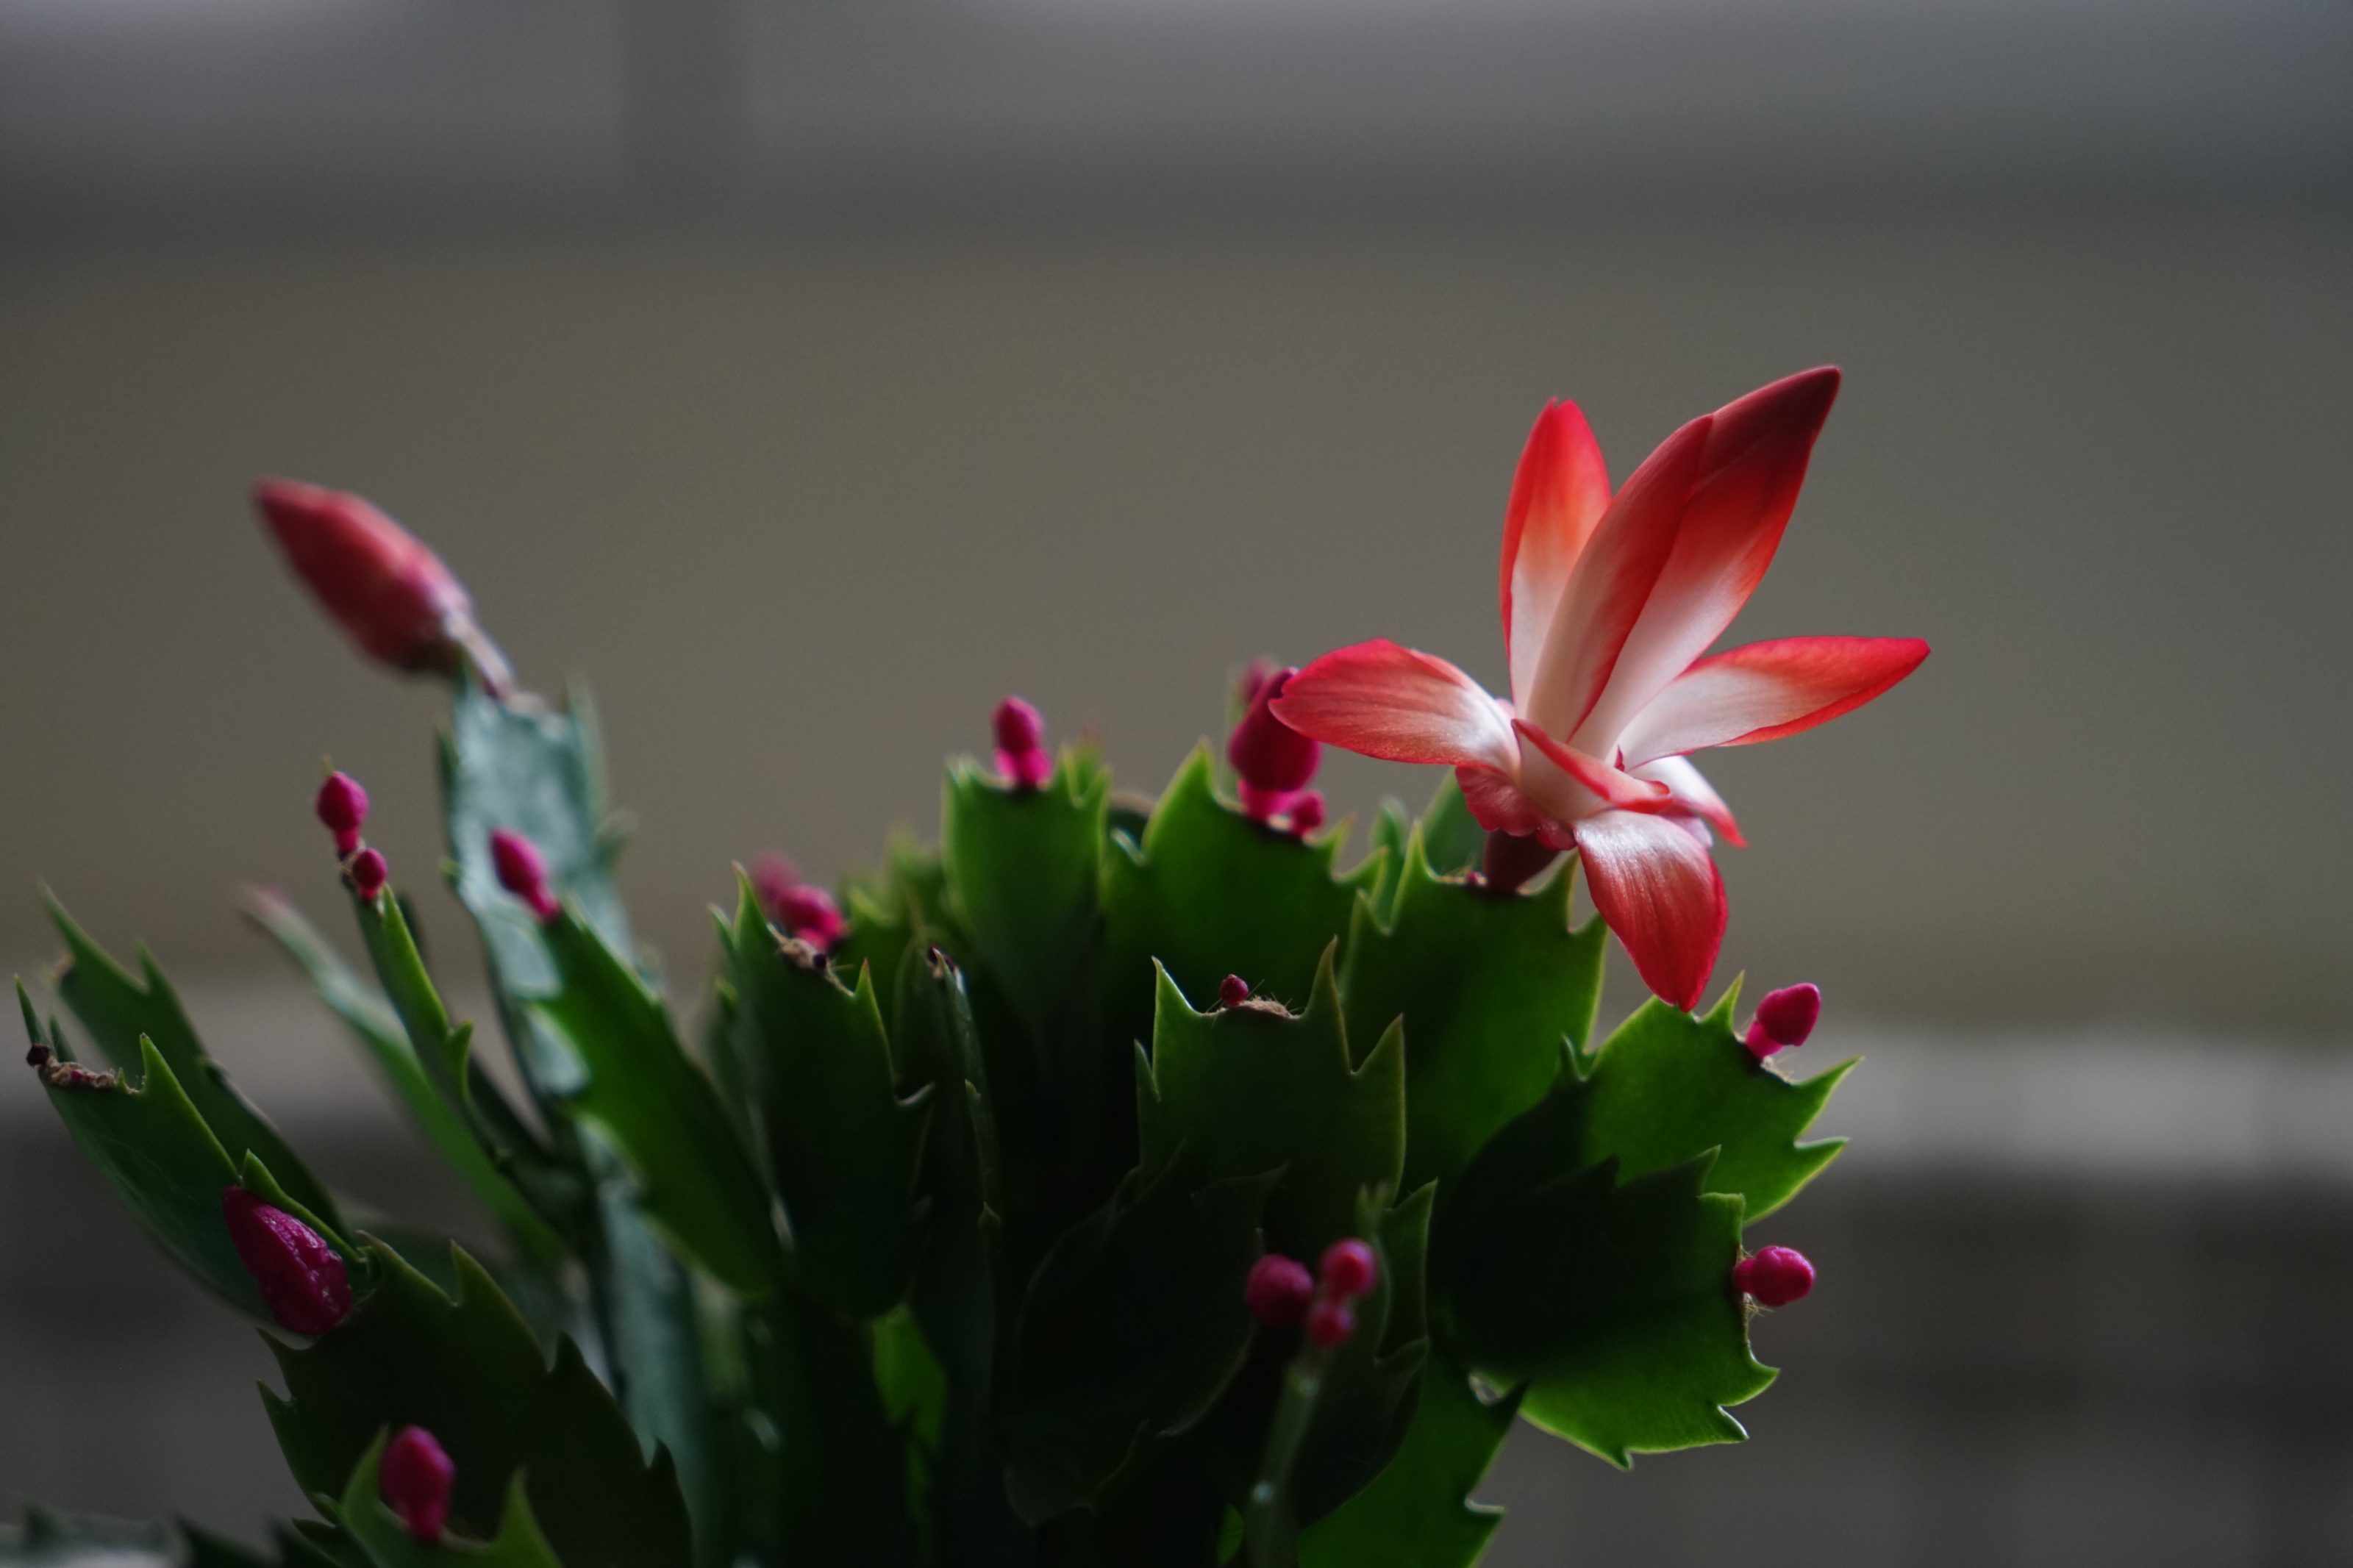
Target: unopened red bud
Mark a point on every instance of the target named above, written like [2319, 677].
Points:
[522, 871]
[343, 808]
[1774, 1276]
[1784, 1019]
[1330, 1322]
[1026, 770]
[415, 1479]
[368, 874]
[1263, 805]
[1306, 812]
[1348, 1268]
[773, 877]
[1267, 752]
[1232, 990]
[1018, 726]
[1278, 1291]
[302, 1280]
[392, 595]
[810, 914]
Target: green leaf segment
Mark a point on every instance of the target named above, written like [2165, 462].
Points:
[929, 1249]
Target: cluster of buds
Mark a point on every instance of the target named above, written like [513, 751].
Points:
[415, 1481]
[301, 1280]
[523, 872]
[1273, 761]
[1283, 1295]
[380, 584]
[802, 910]
[343, 808]
[1019, 731]
[1784, 1019]
[1774, 1277]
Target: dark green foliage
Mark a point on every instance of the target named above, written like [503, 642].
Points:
[932, 1252]
[118, 1012]
[841, 1145]
[1489, 988]
[469, 1371]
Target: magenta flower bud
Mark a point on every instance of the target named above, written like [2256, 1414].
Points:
[302, 1280]
[388, 590]
[1018, 726]
[1027, 770]
[368, 874]
[1774, 1276]
[1306, 811]
[773, 877]
[1265, 751]
[523, 873]
[1278, 1291]
[1232, 990]
[1263, 805]
[343, 808]
[809, 914]
[1330, 1323]
[1348, 1268]
[1784, 1019]
[414, 1480]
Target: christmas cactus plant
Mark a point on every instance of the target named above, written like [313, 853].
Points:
[1123, 1181]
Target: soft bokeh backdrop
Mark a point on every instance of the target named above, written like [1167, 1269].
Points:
[806, 377]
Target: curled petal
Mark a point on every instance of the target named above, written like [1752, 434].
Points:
[1391, 702]
[1693, 793]
[1558, 498]
[1575, 784]
[1755, 456]
[1658, 889]
[1615, 577]
[1767, 690]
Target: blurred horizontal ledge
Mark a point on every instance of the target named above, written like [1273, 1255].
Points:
[244, 115]
[2099, 1107]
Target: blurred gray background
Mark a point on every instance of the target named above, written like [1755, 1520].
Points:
[805, 377]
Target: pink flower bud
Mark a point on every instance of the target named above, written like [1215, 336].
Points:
[773, 877]
[342, 807]
[1348, 1268]
[1784, 1019]
[1278, 1291]
[810, 914]
[368, 874]
[1267, 752]
[523, 873]
[1330, 1323]
[1774, 1276]
[302, 1280]
[414, 1480]
[1306, 811]
[1232, 990]
[1021, 754]
[1263, 805]
[385, 588]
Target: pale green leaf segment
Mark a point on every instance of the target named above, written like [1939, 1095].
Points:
[932, 1254]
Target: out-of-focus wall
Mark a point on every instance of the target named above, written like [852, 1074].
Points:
[803, 505]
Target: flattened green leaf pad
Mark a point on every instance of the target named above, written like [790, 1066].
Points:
[1418, 1510]
[1670, 1086]
[1488, 987]
[1241, 1090]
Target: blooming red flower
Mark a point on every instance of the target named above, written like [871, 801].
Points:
[1608, 602]
[394, 596]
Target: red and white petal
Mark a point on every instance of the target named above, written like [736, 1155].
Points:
[1615, 576]
[1569, 785]
[1657, 887]
[1767, 690]
[1757, 448]
[1496, 802]
[1693, 793]
[1558, 498]
[1391, 702]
